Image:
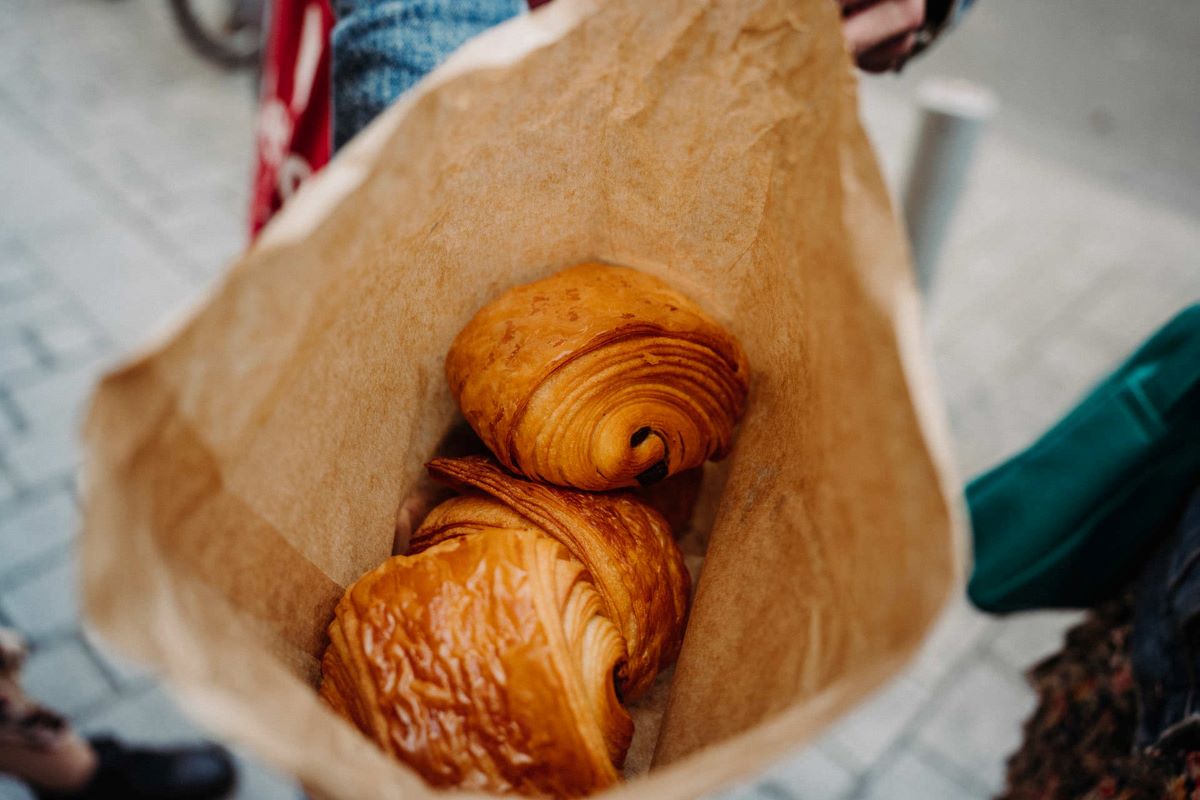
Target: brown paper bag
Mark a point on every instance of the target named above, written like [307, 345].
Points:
[240, 475]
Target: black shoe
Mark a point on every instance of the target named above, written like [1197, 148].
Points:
[198, 772]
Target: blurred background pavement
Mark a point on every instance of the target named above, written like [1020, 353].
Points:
[124, 170]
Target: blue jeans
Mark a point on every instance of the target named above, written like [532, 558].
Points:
[382, 47]
[1165, 640]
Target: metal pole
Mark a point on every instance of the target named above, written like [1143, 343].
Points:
[954, 114]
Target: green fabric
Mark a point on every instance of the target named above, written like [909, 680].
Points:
[1061, 524]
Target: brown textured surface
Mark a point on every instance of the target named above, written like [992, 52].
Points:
[711, 143]
[1079, 742]
[596, 375]
[626, 546]
[484, 663]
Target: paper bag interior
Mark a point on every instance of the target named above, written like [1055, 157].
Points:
[240, 475]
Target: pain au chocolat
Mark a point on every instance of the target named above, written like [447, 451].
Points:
[599, 377]
[483, 663]
[623, 542]
[495, 655]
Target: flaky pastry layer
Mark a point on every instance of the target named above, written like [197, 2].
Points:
[599, 377]
[485, 662]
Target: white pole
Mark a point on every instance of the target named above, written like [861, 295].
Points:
[954, 114]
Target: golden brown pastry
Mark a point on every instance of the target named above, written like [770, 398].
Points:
[484, 663]
[625, 545]
[598, 377]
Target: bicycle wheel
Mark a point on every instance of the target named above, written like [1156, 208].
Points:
[226, 32]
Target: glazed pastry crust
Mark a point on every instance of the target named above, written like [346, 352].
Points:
[484, 663]
[625, 545]
[599, 377]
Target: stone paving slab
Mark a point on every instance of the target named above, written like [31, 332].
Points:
[64, 674]
[977, 718]
[814, 773]
[31, 528]
[45, 602]
[916, 778]
[1029, 638]
[866, 733]
[11, 790]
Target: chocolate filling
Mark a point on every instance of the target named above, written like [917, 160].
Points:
[654, 474]
[639, 436]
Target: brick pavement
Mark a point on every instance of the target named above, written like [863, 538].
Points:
[124, 164]
[124, 171]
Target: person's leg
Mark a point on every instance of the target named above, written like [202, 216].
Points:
[39, 747]
[66, 767]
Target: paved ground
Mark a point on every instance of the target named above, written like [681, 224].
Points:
[123, 168]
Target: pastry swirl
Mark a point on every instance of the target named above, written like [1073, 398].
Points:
[625, 545]
[485, 662]
[598, 377]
